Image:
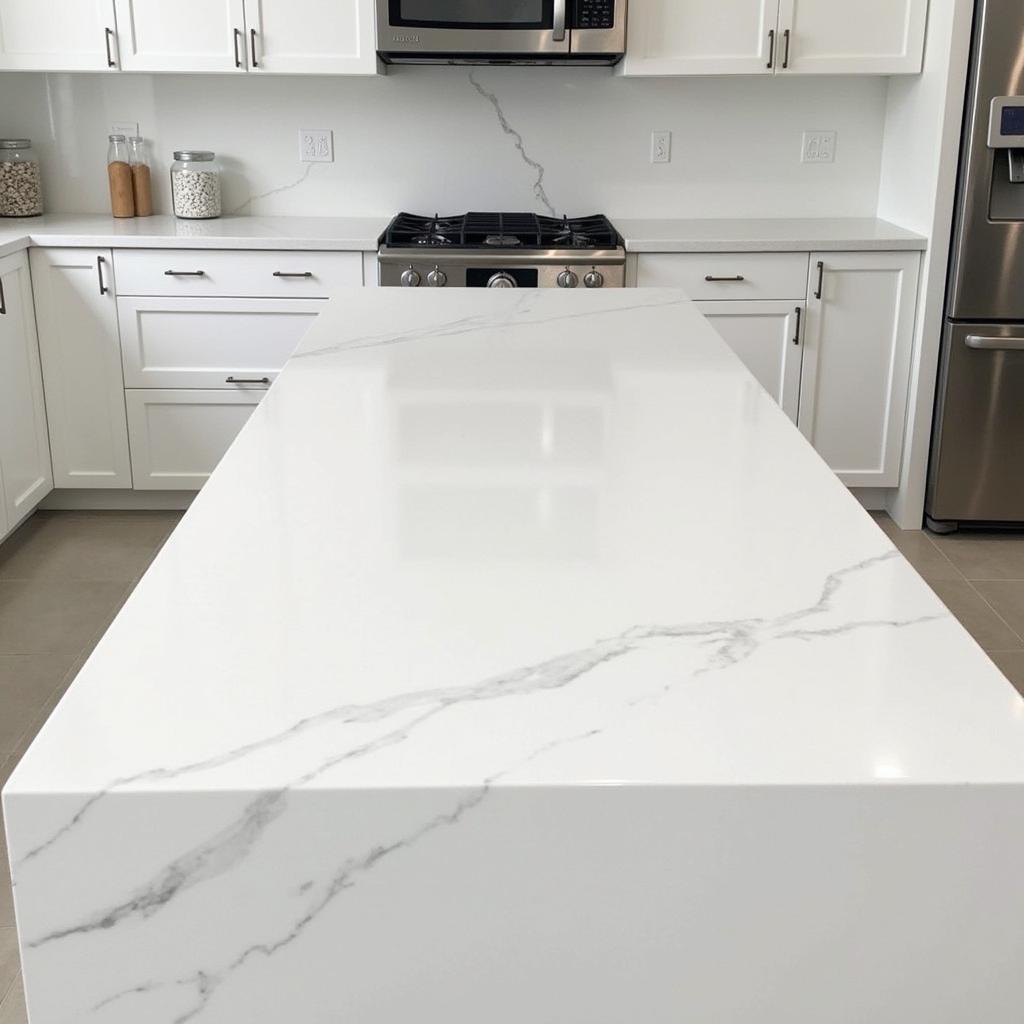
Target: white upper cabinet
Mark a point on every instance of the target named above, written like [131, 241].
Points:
[57, 35]
[311, 37]
[695, 37]
[764, 37]
[182, 35]
[833, 37]
[25, 474]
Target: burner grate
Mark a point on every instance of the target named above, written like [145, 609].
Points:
[501, 231]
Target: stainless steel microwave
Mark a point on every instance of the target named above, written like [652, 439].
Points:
[501, 31]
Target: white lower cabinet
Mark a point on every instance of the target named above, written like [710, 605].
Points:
[209, 343]
[81, 355]
[178, 436]
[25, 474]
[856, 368]
[767, 337]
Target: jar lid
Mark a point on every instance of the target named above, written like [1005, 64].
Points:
[15, 143]
[200, 155]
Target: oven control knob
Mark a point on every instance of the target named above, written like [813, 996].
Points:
[437, 278]
[595, 279]
[410, 278]
[502, 280]
[568, 279]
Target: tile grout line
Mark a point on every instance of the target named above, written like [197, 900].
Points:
[992, 608]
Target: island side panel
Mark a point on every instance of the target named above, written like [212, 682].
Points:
[586, 905]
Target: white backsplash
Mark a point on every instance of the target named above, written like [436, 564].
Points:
[426, 139]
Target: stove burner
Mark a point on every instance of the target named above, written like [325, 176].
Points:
[520, 231]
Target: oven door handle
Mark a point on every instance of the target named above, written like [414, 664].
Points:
[558, 25]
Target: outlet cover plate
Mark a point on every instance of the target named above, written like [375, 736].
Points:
[661, 147]
[126, 128]
[818, 148]
[316, 145]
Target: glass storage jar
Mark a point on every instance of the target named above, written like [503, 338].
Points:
[21, 185]
[195, 184]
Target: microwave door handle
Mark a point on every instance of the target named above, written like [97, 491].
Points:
[558, 33]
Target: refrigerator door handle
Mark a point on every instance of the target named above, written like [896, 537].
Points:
[985, 344]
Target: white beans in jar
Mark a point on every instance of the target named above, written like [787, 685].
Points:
[21, 186]
[195, 185]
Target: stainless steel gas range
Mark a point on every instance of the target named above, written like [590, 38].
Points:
[501, 250]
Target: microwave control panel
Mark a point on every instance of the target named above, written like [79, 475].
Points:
[595, 14]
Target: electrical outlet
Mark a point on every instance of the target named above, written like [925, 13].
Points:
[661, 147]
[128, 128]
[819, 148]
[316, 145]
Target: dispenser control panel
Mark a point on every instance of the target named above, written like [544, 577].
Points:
[1006, 126]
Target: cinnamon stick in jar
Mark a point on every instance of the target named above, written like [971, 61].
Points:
[142, 178]
[119, 176]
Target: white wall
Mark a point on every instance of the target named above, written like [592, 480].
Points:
[425, 139]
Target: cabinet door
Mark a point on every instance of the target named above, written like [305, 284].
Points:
[178, 437]
[311, 37]
[57, 35]
[695, 37]
[831, 37]
[24, 445]
[209, 343]
[856, 369]
[767, 338]
[81, 356]
[181, 35]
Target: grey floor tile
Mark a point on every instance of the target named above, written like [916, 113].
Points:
[1011, 664]
[979, 619]
[55, 617]
[6, 896]
[56, 546]
[989, 556]
[1007, 597]
[12, 1009]
[9, 964]
[28, 679]
[917, 548]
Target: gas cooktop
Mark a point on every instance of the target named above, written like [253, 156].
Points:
[501, 250]
[500, 231]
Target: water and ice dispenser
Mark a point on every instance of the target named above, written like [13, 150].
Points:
[1006, 135]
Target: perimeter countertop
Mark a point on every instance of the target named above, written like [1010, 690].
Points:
[165, 232]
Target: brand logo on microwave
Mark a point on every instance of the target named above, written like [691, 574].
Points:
[404, 38]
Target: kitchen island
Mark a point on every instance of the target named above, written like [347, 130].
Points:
[522, 662]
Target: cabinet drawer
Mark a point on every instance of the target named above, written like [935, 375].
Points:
[200, 343]
[299, 275]
[741, 275]
[178, 437]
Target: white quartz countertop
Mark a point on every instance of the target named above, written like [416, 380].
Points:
[164, 232]
[534, 538]
[817, 234]
[362, 234]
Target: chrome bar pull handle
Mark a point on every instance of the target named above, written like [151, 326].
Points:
[785, 57]
[252, 40]
[711, 277]
[799, 317]
[184, 273]
[247, 380]
[238, 56]
[771, 48]
[111, 63]
[99, 273]
[821, 280]
[558, 23]
[283, 273]
[980, 343]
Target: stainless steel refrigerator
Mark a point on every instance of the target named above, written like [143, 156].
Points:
[976, 475]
